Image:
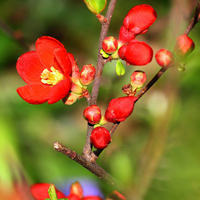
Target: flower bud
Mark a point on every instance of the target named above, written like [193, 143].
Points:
[87, 74]
[119, 109]
[71, 98]
[76, 88]
[76, 188]
[184, 46]
[92, 114]
[138, 78]
[136, 53]
[110, 45]
[100, 138]
[164, 58]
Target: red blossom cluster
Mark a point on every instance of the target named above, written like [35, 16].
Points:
[39, 191]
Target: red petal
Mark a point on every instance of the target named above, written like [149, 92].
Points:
[45, 48]
[59, 91]
[63, 62]
[29, 67]
[139, 18]
[34, 94]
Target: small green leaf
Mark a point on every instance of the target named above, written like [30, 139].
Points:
[120, 69]
[96, 6]
[104, 54]
[52, 192]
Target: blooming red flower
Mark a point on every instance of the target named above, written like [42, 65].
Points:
[100, 138]
[119, 109]
[137, 21]
[136, 53]
[92, 114]
[40, 191]
[47, 72]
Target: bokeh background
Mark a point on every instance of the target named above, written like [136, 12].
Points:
[155, 152]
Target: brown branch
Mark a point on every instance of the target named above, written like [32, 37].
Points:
[87, 151]
[92, 166]
[194, 20]
[153, 80]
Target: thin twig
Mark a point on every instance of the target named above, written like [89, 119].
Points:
[194, 20]
[92, 166]
[87, 152]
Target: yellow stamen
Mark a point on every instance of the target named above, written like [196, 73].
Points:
[51, 77]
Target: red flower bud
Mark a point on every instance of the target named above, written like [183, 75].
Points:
[184, 46]
[164, 58]
[110, 45]
[100, 138]
[138, 78]
[76, 188]
[136, 53]
[137, 21]
[40, 191]
[119, 109]
[92, 114]
[87, 74]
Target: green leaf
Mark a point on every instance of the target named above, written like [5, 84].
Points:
[96, 6]
[120, 69]
[52, 192]
[104, 54]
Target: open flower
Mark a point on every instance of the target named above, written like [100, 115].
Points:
[47, 72]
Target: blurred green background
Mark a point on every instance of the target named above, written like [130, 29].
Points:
[155, 152]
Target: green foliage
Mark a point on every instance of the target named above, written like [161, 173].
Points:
[96, 6]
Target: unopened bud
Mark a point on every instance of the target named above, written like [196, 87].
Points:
[87, 74]
[92, 114]
[100, 138]
[110, 45]
[71, 98]
[119, 109]
[184, 46]
[138, 78]
[76, 188]
[164, 58]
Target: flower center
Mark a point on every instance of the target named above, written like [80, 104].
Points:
[51, 77]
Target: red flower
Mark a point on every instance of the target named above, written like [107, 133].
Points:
[137, 21]
[136, 53]
[100, 138]
[110, 45]
[87, 74]
[47, 72]
[73, 197]
[40, 191]
[119, 109]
